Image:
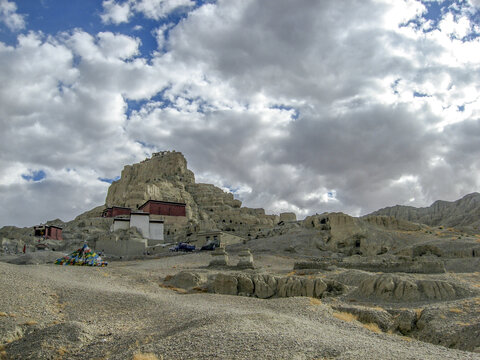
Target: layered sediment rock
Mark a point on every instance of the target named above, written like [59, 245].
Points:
[396, 288]
[263, 286]
[266, 286]
[387, 264]
[463, 212]
[375, 235]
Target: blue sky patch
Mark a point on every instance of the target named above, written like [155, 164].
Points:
[107, 180]
[434, 10]
[34, 175]
[419, 94]
[296, 112]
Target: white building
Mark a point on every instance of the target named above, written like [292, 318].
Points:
[149, 228]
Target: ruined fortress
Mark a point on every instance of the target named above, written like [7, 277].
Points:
[165, 177]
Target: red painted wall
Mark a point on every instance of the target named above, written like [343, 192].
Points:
[53, 233]
[120, 211]
[155, 208]
[115, 211]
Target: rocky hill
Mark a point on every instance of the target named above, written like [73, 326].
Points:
[165, 176]
[464, 213]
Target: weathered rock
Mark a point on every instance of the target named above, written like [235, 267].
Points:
[309, 287]
[166, 177]
[219, 257]
[265, 286]
[386, 264]
[225, 284]
[404, 320]
[463, 212]
[281, 287]
[434, 289]
[314, 264]
[294, 287]
[288, 216]
[246, 260]
[334, 287]
[401, 288]
[368, 236]
[245, 285]
[455, 326]
[320, 288]
[186, 280]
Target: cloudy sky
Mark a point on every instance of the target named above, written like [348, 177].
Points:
[304, 106]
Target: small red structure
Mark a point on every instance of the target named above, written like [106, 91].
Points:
[48, 232]
[167, 208]
[116, 211]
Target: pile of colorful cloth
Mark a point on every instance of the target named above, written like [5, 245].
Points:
[83, 256]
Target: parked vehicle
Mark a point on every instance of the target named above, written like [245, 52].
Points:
[183, 247]
[209, 246]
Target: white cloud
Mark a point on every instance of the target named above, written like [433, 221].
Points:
[120, 12]
[157, 9]
[115, 13]
[283, 101]
[9, 16]
[56, 116]
[117, 45]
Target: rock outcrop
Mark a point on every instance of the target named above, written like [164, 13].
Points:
[398, 288]
[262, 286]
[370, 236]
[464, 212]
[265, 286]
[165, 177]
[386, 264]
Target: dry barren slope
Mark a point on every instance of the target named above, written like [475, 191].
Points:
[464, 212]
[116, 312]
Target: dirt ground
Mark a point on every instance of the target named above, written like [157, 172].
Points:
[124, 311]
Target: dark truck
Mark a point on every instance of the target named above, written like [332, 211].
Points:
[209, 246]
[183, 247]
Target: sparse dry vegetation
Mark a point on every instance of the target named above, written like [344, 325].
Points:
[30, 322]
[456, 310]
[3, 353]
[173, 288]
[146, 356]
[200, 289]
[314, 301]
[372, 327]
[345, 316]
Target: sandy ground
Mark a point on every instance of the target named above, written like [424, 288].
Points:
[122, 312]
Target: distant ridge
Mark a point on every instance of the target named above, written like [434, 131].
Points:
[464, 212]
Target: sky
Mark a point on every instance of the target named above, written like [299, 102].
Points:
[305, 106]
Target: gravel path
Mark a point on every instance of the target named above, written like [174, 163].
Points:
[49, 311]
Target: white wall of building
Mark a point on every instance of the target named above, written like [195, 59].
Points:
[156, 231]
[120, 224]
[121, 247]
[142, 223]
[153, 230]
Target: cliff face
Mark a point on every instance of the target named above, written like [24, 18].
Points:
[163, 177]
[464, 212]
[373, 235]
[166, 177]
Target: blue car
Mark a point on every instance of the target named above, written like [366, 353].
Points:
[183, 247]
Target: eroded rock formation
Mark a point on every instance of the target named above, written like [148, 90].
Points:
[165, 176]
[464, 212]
